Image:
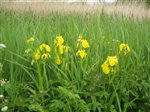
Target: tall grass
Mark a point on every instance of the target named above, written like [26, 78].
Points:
[82, 86]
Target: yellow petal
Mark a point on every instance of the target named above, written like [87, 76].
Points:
[59, 40]
[37, 55]
[58, 61]
[121, 47]
[30, 40]
[42, 46]
[128, 49]
[47, 48]
[85, 44]
[105, 68]
[113, 60]
[83, 54]
[45, 56]
[124, 48]
[77, 53]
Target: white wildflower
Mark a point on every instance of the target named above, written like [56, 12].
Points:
[2, 46]
[3, 82]
[4, 109]
[1, 96]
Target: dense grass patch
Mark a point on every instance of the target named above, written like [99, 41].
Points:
[82, 85]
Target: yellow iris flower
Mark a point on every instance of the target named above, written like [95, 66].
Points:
[42, 55]
[81, 53]
[37, 55]
[124, 48]
[112, 60]
[30, 40]
[63, 49]
[45, 47]
[105, 68]
[45, 56]
[58, 40]
[109, 64]
[42, 47]
[85, 44]
[82, 42]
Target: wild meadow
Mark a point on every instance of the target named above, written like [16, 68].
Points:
[73, 62]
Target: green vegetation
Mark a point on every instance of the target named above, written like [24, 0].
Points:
[81, 86]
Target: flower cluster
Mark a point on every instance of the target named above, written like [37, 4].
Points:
[110, 64]
[112, 61]
[3, 82]
[82, 45]
[60, 49]
[43, 52]
[124, 48]
[4, 108]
